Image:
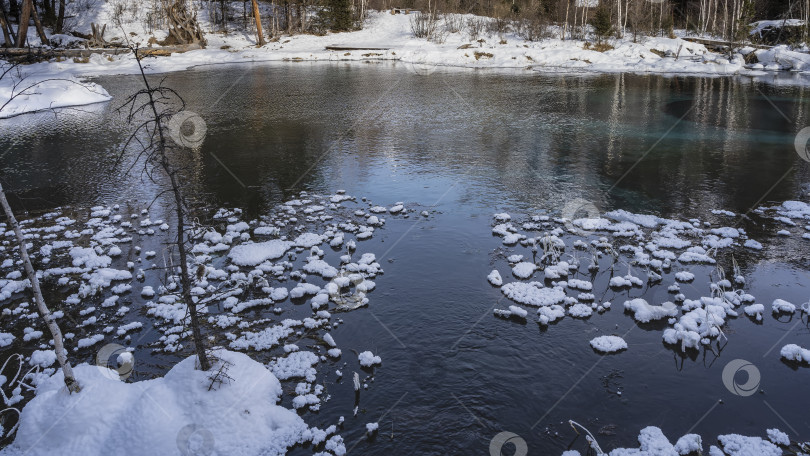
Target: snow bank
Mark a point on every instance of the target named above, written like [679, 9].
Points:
[239, 416]
[38, 93]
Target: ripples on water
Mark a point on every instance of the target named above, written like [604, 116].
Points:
[472, 144]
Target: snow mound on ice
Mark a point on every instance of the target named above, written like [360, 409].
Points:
[257, 253]
[608, 344]
[533, 294]
[239, 416]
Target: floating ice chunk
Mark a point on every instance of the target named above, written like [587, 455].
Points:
[782, 306]
[684, 276]
[533, 294]
[90, 341]
[320, 267]
[259, 252]
[43, 358]
[303, 289]
[647, 221]
[266, 338]
[557, 271]
[372, 427]
[689, 444]
[502, 217]
[738, 445]
[793, 352]
[778, 437]
[518, 311]
[583, 285]
[626, 281]
[755, 310]
[367, 359]
[696, 255]
[147, 292]
[550, 314]
[726, 231]
[687, 338]
[580, 310]
[644, 312]
[524, 270]
[608, 344]
[513, 311]
[494, 278]
[88, 258]
[266, 231]
[297, 364]
[6, 339]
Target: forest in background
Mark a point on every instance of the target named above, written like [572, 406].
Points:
[532, 20]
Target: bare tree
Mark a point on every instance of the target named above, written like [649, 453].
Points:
[150, 109]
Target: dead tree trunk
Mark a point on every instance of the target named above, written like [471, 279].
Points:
[38, 24]
[185, 279]
[61, 355]
[8, 33]
[97, 36]
[60, 18]
[257, 18]
[22, 29]
[157, 153]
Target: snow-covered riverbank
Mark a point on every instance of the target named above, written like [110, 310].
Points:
[389, 37]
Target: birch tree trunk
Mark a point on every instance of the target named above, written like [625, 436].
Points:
[61, 355]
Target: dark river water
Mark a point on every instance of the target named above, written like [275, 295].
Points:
[470, 144]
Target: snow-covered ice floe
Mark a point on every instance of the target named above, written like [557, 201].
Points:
[561, 271]
[653, 442]
[608, 344]
[250, 279]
